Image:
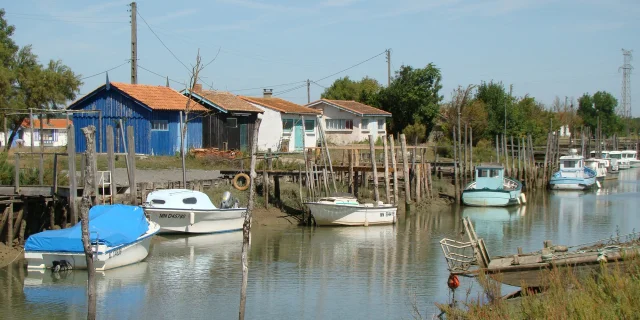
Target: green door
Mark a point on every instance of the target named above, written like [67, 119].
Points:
[298, 131]
[244, 139]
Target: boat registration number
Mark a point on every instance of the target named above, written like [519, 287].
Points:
[115, 253]
[173, 215]
[386, 214]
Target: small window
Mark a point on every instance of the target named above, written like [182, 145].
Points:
[483, 173]
[569, 164]
[287, 124]
[309, 125]
[157, 201]
[380, 125]
[365, 124]
[495, 172]
[232, 122]
[190, 200]
[160, 125]
[339, 124]
[349, 124]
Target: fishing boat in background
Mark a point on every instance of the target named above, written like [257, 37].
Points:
[573, 175]
[632, 156]
[492, 189]
[120, 235]
[623, 163]
[599, 166]
[189, 211]
[527, 269]
[345, 210]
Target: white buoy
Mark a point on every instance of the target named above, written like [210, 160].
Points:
[523, 198]
[598, 184]
[192, 218]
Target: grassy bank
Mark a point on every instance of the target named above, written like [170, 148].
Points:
[612, 293]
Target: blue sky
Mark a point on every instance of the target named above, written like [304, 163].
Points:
[545, 48]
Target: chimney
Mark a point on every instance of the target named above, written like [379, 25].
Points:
[267, 93]
[197, 88]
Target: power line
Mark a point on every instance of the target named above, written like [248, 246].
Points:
[269, 86]
[165, 46]
[353, 66]
[99, 73]
[319, 85]
[161, 76]
[289, 90]
[71, 19]
[212, 60]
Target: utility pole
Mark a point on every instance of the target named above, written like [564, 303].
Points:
[626, 85]
[134, 44]
[308, 91]
[388, 67]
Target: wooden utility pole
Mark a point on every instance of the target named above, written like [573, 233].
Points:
[134, 44]
[246, 227]
[85, 205]
[388, 67]
[308, 94]
[376, 191]
[133, 190]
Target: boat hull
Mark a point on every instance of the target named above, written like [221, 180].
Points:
[345, 215]
[197, 221]
[106, 259]
[572, 183]
[634, 163]
[490, 198]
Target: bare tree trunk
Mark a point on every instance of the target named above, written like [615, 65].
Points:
[246, 227]
[85, 205]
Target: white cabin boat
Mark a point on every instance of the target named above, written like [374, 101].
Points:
[120, 235]
[599, 166]
[189, 211]
[623, 163]
[573, 175]
[347, 211]
[632, 156]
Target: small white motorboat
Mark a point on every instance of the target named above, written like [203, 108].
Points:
[632, 156]
[623, 162]
[347, 211]
[599, 166]
[189, 211]
[120, 235]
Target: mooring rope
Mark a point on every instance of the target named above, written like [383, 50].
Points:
[14, 259]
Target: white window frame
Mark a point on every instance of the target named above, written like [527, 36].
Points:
[338, 124]
[381, 124]
[159, 125]
[364, 127]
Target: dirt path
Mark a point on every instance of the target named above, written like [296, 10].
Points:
[164, 175]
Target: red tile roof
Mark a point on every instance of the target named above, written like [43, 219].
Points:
[354, 106]
[281, 105]
[228, 101]
[48, 123]
[158, 97]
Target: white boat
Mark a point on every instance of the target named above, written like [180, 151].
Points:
[623, 163]
[492, 189]
[120, 235]
[189, 211]
[632, 156]
[573, 175]
[347, 211]
[599, 166]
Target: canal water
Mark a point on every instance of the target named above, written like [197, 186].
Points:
[321, 273]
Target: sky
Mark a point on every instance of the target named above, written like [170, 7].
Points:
[544, 48]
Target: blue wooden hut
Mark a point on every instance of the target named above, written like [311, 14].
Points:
[153, 111]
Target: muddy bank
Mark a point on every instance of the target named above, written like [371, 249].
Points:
[10, 255]
[273, 216]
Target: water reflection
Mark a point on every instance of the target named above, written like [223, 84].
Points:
[322, 273]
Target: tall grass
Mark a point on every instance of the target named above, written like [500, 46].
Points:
[611, 293]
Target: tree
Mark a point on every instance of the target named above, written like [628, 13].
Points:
[25, 83]
[413, 97]
[496, 99]
[364, 91]
[602, 105]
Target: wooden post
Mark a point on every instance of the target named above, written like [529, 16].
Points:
[394, 167]
[350, 187]
[472, 167]
[326, 148]
[430, 181]
[17, 221]
[111, 160]
[10, 226]
[100, 150]
[513, 158]
[246, 227]
[85, 204]
[464, 155]
[276, 190]
[506, 151]
[17, 173]
[41, 169]
[405, 163]
[455, 168]
[31, 127]
[131, 145]
[497, 150]
[372, 150]
[5, 216]
[387, 186]
[6, 133]
[326, 181]
[73, 183]
[55, 173]
[418, 183]
[423, 171]
[546, 157]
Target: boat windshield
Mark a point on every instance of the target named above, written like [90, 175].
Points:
[570, 164]
[488, 173]
[615, 155]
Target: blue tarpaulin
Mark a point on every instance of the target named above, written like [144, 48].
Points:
[112, 225]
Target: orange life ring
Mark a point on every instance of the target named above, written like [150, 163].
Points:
[239, 176]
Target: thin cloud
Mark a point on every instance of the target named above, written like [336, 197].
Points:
[339, 3]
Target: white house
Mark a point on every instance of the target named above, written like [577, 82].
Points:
[347, 122]
[54, 133]
[282, 124]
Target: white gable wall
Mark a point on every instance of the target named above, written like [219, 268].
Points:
[61, 138]
[347, 136]
[271, 130]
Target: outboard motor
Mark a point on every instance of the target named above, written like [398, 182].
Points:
[228, 201]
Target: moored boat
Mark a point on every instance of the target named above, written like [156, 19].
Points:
[573, 175]
[492, 189]
[189, 211]
[623, 163]
[599, 166]
[347, 211]
[632, 157]
[120, 235]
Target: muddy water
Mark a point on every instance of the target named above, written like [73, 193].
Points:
[322, 273]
